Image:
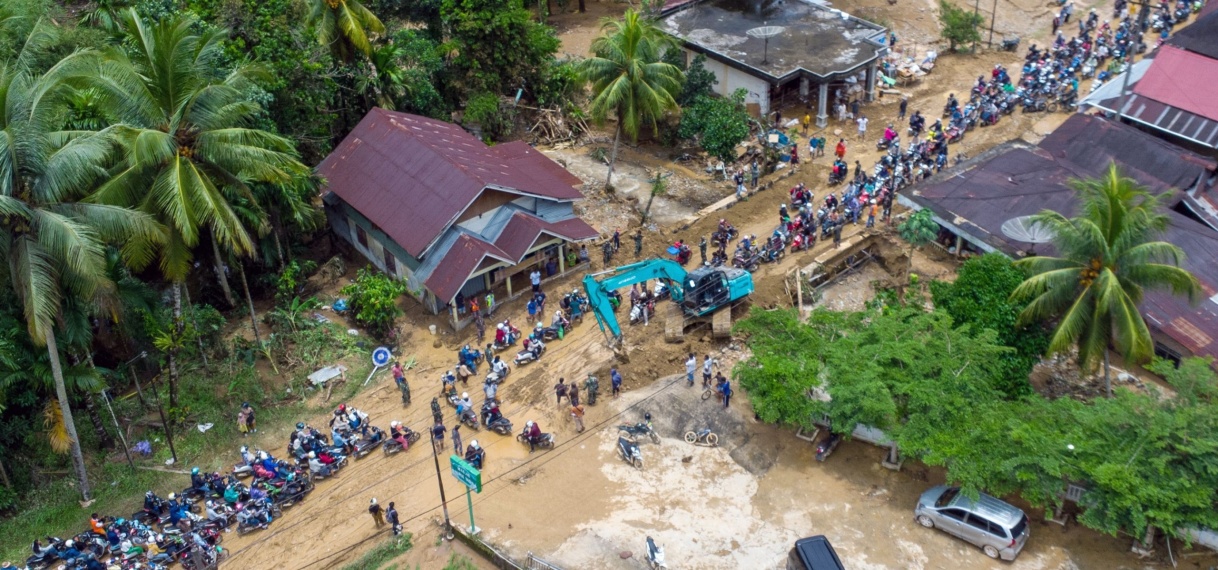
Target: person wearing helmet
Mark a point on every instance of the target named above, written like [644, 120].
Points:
[197, 481]
[69, 552]
[152, 503]
[465, 407]
[316, 466]
[501, 338]
[398, 434]
[474, 454]
[533, 432]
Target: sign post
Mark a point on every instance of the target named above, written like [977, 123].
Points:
[468, 475]
[380, 357]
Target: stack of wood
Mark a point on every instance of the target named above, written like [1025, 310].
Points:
[553, 126]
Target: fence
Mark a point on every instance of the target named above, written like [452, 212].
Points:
[535, 563]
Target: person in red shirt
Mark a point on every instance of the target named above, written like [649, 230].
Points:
[841, 148]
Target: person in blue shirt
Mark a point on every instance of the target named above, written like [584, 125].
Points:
[725, 389]
[615, 378]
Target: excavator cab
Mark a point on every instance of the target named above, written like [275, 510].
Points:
[705, 288]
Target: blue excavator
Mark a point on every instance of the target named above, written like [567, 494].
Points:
[705, 293]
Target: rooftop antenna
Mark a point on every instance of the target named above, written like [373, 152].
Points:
[1027, 230]
[765, 33]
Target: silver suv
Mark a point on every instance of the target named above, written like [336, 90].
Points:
[998, 528]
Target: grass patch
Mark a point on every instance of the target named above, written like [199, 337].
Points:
[383, 553]
[459, 562]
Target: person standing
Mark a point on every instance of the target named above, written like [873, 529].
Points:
[862, 127]
[535, 280]
[617, 239]
[573, 393]
[702, 249]
[560, 390]
[638, 243]
[871, 212]
[391, 515]
[837, 229]
[840, 151]
[250, 420]
[615, 378]
[577, 414]
[754, 173]
[904, 106]
[690, 366]
[377, 514]
[707, 365]
[490, 303]
[738, 178]
[243, 421]
[725, 390]
[607, 251]
[457, 447]
[807, 121]
[437, 435]
[854, 108]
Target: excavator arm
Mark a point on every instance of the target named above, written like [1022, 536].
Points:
[599, 285]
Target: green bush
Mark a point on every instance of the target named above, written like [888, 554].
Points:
[718, 124]
[372, 300]
[291, 280]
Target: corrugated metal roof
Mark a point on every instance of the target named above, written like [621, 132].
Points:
[523, 230]
[1017, 179]
[1182, 79]
[459, 261]
[1201, 36]
[412, 176]
[1158, 164]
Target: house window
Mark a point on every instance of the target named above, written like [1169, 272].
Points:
[360, 236]
[391, 262]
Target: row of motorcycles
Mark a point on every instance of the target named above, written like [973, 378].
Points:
[131, 545]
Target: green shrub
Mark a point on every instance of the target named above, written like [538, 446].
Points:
[372, 300]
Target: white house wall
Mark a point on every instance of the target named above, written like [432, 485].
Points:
[728, 79]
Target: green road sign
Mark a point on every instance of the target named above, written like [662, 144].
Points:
[467, 474]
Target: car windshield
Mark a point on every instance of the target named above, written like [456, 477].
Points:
[1019, 526]
[947, 496]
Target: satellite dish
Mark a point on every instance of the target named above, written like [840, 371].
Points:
[1027, 230]
[764, 33]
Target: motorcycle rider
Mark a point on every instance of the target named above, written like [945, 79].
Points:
[316, 466]
[464, 406]
[197, 481]
[398, 434]
[499, 367]
[490, 412]
[501, 337]
[533, 432]
[152, 503]
[474, 454]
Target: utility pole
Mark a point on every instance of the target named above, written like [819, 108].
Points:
[1143, 13]
[448, 525]
[993, 15]
[117, 428]
[165, 424]
[976, 15]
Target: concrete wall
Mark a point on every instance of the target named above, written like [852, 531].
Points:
[730, 79]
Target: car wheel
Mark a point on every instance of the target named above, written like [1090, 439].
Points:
[990, 551]
[925, 521]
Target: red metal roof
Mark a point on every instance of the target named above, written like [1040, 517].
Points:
[523, 230]
[461, 259]
[413, 176]
[1182, 79]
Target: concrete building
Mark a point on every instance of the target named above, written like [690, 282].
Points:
[427, 202]
[818, 51]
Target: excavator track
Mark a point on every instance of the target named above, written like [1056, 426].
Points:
[721, 322]
[674, 324]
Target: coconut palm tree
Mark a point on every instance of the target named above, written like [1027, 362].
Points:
[628, 79]
[1108, 260]
[188, 149]
[53, 247]
[344, 25]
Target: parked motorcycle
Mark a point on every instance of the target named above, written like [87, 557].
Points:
[827, 445]
[704, 437]
[641, 428]
[629, 451]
